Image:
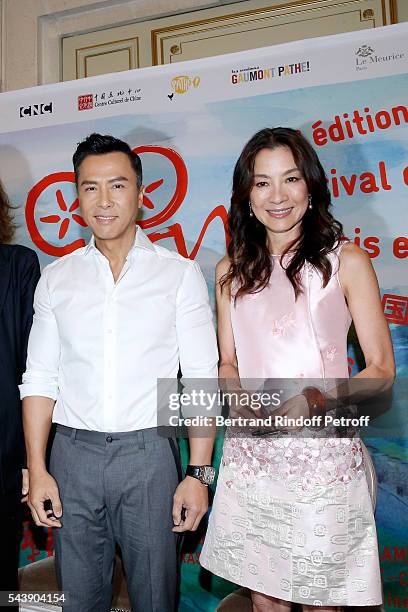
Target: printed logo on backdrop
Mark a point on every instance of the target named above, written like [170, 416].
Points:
[52, 215]
[107, 98]
[253, 74]
[35, 110]
[366, 57]
[183, 84]
[85, 102]
[395, 308]
[365, 51]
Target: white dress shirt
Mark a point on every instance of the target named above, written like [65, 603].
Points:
[97, 347]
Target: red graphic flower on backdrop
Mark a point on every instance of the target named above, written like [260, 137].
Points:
[63, 219]
[64, 215]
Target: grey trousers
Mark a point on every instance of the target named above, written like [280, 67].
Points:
[117, 489]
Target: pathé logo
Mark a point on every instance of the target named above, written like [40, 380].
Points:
[181, 84]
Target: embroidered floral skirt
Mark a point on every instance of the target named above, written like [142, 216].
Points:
[292, 518]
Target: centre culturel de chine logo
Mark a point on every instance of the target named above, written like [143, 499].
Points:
[97, 99]
[181, 84]
[364, 51]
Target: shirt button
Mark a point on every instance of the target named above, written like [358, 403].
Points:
[109, 438]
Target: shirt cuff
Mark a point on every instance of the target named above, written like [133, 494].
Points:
[40, 388]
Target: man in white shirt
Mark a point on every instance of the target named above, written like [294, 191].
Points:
[110, 319]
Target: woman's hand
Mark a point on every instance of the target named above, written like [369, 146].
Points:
[295, 407]
[245, 404]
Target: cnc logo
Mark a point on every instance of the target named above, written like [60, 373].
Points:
[181, 84]
[34, 110]
[85, 102]
[364, 51]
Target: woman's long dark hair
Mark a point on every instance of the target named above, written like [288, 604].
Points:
[7, 226]
[250, 259]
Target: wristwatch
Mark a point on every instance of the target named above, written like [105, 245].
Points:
[204, 473]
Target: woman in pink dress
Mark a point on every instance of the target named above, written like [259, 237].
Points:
[292, 518]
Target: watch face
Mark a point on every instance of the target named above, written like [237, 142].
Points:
[208, 474]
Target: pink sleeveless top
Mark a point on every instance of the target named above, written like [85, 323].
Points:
[277, 336]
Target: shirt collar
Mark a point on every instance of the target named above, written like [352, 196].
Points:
[141, 242]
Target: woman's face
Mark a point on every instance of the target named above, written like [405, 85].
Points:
[279, 194]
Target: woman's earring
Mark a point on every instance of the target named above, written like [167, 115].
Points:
[310, 206]
[251, 212]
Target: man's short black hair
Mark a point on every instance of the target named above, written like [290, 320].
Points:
[98, 144]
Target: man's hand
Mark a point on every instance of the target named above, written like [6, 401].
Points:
[25, 485]
[191, 495]
[43, 490]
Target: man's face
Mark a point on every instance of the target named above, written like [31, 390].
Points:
[108, 195]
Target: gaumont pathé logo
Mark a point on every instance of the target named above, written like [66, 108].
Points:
[182, 84]
[109, 97]
[252, 74]
[35, 110]
[366, 56]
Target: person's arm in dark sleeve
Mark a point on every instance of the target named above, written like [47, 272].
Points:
[30, 277]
